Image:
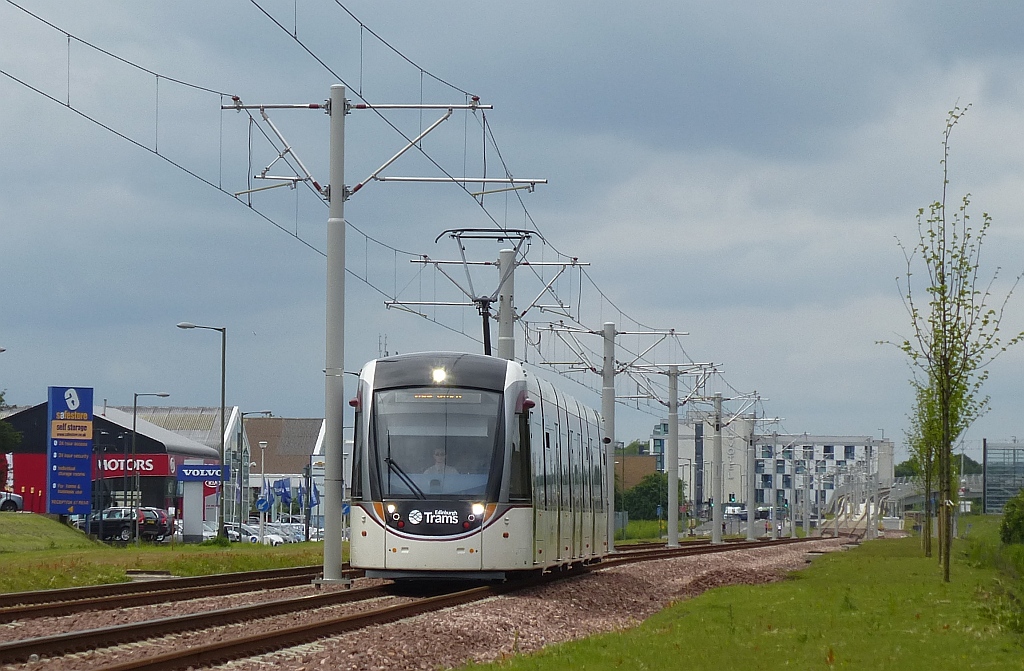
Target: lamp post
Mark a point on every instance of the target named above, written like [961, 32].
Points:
[137, 485]
[221, 529]
[263, 485]
[238, 476]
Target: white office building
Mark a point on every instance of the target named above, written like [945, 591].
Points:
[788, 468]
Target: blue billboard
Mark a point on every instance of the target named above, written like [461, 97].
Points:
[69, 451]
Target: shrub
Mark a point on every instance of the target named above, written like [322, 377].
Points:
[1011, 529]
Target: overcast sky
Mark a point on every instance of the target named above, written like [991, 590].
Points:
[737, 171]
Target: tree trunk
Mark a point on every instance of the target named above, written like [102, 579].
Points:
[926, 528]
[945, 456]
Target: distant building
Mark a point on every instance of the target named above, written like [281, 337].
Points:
[147, 478]
[794, 465]
[1003, 473]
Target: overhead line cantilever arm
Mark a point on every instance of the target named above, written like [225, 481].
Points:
[287, 150]
[412, 143]
[483, 180]
[390, 106]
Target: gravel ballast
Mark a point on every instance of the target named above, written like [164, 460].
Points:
[606, 600]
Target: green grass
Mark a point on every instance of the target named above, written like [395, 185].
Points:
[40, 553]
[880, 606]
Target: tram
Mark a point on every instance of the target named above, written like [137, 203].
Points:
[468, 467]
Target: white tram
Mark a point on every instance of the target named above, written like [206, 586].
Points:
[467, 466]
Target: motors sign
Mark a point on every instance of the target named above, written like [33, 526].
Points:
[203, 473]
[69, 450]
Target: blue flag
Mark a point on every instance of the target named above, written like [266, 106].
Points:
[266, 499]
[302, 493]
[283, 488]
[314, 497]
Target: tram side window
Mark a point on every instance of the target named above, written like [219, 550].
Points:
[358, 448]
[550, 474]
[519, 486]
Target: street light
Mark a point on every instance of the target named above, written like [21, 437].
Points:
[135, 462]
[263, 485]
[221, 529]
[236, 504]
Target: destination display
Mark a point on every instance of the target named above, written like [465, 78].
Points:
[69, 450]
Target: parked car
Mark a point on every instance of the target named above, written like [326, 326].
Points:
[209, 530]
[291, 533]
[251, 534]
[120, 524]
[11, 502]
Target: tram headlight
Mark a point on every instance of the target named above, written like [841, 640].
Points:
[478, 509]
[391, 508]
[439, 375]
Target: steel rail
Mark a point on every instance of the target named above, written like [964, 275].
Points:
[696, 549]
[93, 591]
[250, 646]
[92, 639]
[168, 594]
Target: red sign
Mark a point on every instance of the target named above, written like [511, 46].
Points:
[113, 466]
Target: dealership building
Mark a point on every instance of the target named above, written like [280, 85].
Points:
[121, 475]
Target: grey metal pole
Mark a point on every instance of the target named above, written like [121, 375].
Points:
[263, 484]
[506, 317]
[608, 413]
[672, 456]
[869, 496]
[135, 460]
[334, 371]
[751, 485]
[793, 493]
[716, 475]
[773, 531]
[222, 529]
[807, 492]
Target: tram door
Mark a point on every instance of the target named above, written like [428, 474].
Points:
[564, 486]
[577, 492]
[545, 481]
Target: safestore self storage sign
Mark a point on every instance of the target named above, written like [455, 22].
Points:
[69, 457]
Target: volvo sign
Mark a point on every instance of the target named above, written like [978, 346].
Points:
[203, 472]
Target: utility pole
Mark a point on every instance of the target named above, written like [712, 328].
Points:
[334, 369]
[775, 494]
[506, 309]
[716, 475]
[672, 456]
[608, 414]
[807, 491]
[751, 484]
[503, 294]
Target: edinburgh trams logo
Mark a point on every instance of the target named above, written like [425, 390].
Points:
[434, 516]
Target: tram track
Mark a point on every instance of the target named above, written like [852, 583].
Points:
[49, 603]
[282, 636]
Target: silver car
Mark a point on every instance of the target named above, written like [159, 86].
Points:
[11, 502]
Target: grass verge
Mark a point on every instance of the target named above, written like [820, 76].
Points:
[40, 553]
[880, 606]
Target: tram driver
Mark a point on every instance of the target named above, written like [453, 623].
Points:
[439, 467]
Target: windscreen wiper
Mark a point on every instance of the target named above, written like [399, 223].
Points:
[392, 464]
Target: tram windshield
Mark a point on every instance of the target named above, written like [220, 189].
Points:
[434, 442]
